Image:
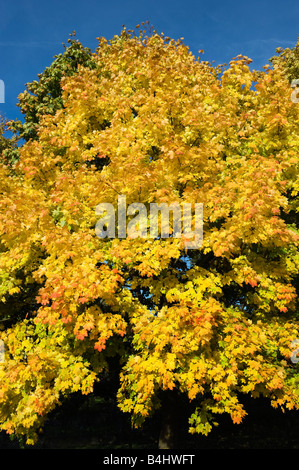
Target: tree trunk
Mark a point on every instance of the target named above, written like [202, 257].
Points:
[170, 419]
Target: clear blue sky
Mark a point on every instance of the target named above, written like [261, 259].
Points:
[32, 31]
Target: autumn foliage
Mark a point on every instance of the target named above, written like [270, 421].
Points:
[156, 124]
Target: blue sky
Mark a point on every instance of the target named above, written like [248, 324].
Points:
[32, 32]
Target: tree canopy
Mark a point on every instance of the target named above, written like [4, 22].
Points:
[288, 59]
[43, 96]
[150, 121]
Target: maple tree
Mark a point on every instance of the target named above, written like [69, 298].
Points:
[8, 145]
[154, 123]
[288, 59]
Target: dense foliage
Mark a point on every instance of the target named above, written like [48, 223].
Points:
[152, 122]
